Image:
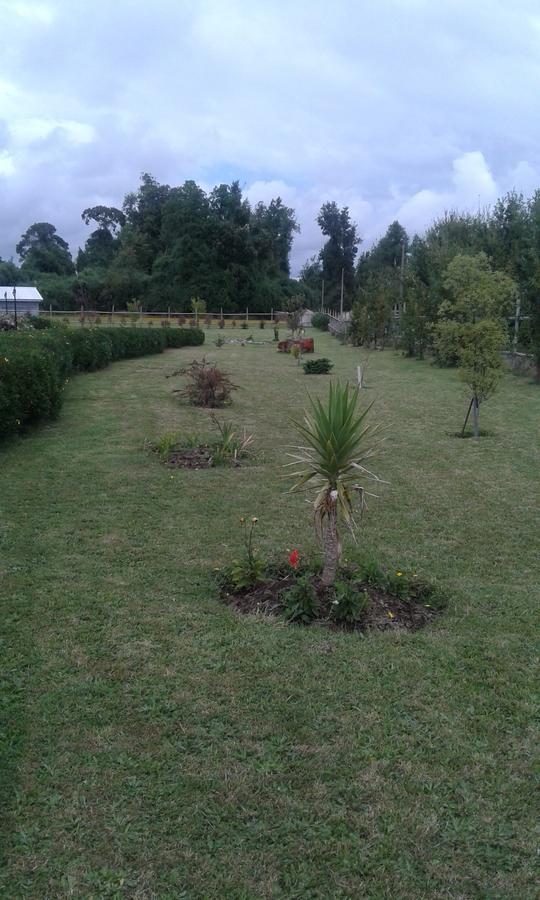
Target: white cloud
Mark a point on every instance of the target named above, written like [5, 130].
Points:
[400, 108]
[39, 13]
[7, 166]
[28, 130]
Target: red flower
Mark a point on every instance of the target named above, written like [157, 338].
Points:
[293, 558]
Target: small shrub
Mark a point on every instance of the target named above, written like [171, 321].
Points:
[249, 570]
[181, 320]
[262, 323]
[318, 366]
[349, 604]
[300, 602]
[243, 324]
[208, 321]
[221, 323]
[231, 445]
[165, 444]
[372, 574]
[276, 333]
[209, 386]
[233, 323]
[40, 323]
[165, 323]
[320, 320]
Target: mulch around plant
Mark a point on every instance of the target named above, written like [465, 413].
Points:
[385, 611]
[195, 458]
[192, 458]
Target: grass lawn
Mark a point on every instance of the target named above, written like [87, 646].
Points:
[159, 745]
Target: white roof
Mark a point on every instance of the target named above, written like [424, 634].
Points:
[23, 293]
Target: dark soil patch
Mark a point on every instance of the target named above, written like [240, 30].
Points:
[385, 611]
[194, 458]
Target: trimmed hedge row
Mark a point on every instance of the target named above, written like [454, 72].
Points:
[34, 365]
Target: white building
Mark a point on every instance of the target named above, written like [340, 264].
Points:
[27, 300]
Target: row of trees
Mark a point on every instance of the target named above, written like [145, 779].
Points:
[467, 268]
[165, 246]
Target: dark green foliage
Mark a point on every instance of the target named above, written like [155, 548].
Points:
[34, 365]
[33, 369]
[318, 366]
[349, 604]
[43, 250]
[300, 602]
[338, 254]
[320, 320]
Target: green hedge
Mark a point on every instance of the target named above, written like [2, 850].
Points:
[34, 365]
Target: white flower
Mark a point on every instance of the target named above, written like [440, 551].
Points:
[333, 495]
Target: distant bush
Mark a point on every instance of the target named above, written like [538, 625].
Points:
[40, 322]
[318, 366]
[320, 320]
[35, 364]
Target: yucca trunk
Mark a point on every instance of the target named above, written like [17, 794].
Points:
[330, 542]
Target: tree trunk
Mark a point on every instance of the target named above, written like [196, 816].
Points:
[475, 406]
[330, 548]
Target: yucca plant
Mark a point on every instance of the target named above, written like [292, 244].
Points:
[337, 444]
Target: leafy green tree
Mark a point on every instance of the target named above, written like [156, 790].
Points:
[9, 272]
[336, 445]
[41, 249]
[475, 291]
[415, 320]
[373, 312]
[480, 363]
[338, 253]
[102, 245]
[294, 307]
[311, 276]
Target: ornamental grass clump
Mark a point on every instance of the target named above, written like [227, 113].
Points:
[337, 443]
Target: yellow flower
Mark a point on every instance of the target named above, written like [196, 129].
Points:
[391, 615]
[399, 574]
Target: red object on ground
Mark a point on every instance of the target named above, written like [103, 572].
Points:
[293, 558]
[307, 345]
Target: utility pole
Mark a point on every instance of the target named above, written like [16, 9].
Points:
[322, 295]
[5, 300]
[401, 275]
[341, 300]
[15, 306]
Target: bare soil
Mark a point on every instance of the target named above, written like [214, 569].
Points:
[384, 612]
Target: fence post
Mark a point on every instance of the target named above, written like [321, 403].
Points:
[272, 315]
[112, 313]
[247, 315]
[50, 310]
[169, 313]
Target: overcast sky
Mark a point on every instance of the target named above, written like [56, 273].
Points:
[395, 108]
